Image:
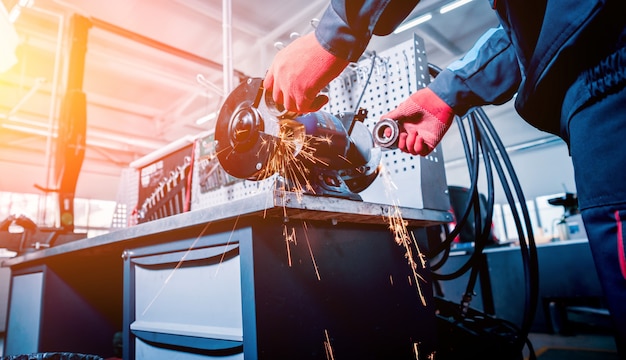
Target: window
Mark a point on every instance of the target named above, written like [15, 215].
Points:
[92, 216]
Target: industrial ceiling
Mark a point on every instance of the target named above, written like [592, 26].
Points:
[155, 67]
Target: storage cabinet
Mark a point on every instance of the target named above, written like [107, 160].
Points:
[54, 310]
[269, 290]
[185, 295]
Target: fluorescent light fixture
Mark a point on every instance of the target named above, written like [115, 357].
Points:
[17, 9]
[453, 5]
[15, 13]
[205, 118]
[412, 23]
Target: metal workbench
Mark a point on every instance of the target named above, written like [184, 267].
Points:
[266, 277]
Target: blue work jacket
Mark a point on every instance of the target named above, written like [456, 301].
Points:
[539, 49]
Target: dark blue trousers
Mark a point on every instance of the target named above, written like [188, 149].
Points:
[594, 118]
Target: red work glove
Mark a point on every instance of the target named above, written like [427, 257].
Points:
[422, 119]
[299, 72]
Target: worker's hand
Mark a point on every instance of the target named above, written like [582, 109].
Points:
[299, 72]
[422, 119]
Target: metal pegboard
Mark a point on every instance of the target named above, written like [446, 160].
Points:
[393, 78]
[396, 73]
[211, 185]
[127, 198]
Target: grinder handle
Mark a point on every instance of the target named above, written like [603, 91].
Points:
[279, 110]
[320, 100]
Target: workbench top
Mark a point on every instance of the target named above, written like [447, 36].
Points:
[272, 205]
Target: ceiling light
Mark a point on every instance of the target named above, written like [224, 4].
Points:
[17, 9]
[15, 13]
[26, 3]
[412, 23]
[453, 5]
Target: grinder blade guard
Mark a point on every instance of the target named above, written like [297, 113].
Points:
[316, 153]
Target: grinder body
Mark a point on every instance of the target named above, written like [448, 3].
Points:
[317, 153]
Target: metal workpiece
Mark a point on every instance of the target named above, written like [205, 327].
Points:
[386, 133]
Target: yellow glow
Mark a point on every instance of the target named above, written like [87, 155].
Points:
[8, 41]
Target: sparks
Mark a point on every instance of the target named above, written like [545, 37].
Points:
[416, 352]
[293, 148]
[403, 237]
[328, 347]
[308, 243]
[290, 237]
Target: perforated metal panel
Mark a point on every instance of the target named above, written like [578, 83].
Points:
[127, 198]
[395, 74]
[211, 185]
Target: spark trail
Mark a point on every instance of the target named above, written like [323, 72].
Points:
[403, 237]
[327, 347]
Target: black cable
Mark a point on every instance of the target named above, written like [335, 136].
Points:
[485, 233]
[473, 166]
[369, 76]
[481, 231]
[528, 248]
[529, 262]
[494, 157]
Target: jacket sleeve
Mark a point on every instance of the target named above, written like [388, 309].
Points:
[347, 26]
[488, 74]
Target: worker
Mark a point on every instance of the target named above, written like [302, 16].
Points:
[564, 60]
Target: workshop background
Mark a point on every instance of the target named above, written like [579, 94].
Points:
[141, 99]
[154, 79]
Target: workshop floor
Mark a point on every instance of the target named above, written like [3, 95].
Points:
[578, 343]
[543, 343]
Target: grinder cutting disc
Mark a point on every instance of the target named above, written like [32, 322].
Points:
[242, 146]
